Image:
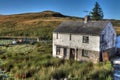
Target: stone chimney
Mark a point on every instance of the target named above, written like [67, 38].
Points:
[86, 18]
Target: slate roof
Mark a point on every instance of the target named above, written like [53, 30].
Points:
[89, 28]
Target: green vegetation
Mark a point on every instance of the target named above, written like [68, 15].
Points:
[36, 24]
[40, 29]
[35, 62]
[32, 24]
[5, 42]
[97, 13]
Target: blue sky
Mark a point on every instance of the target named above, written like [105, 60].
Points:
[111, 8]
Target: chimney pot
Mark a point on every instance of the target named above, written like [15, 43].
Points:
[86, 19]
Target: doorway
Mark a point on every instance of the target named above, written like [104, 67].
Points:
[72, 53]
[65, 52]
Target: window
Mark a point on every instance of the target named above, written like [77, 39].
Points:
[56, 35]
[85, 39]
[85, 53]
[58, 50]
[70, 36]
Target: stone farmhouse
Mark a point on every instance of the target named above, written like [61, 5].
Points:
[84, 41]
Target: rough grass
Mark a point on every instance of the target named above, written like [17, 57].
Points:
[40, 29]
[117, 29]
[32, 24]
[35, 62]
[36, 24]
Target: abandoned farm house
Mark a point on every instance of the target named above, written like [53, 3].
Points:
[84, 41]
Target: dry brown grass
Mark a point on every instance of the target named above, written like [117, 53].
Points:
[117, 29]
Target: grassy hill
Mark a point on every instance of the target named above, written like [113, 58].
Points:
[32, 24]
[37, 24]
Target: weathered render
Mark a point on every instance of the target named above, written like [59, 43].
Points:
[84, 41]
[108, 40]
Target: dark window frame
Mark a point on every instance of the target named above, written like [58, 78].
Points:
[85, 53]
[56, 35]
[70, 37]
[57, 50]
[85, 39]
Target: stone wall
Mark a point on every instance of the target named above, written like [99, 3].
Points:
[93, 56]
[108, 38]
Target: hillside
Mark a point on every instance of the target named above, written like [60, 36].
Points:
[37, 24]
[32, 24]
[47, 15]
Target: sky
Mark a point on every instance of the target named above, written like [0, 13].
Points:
[111, 8]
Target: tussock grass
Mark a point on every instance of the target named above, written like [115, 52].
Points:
[35, 62]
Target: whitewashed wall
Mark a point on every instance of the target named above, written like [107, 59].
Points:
[76, 42]
[108, 40]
